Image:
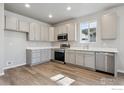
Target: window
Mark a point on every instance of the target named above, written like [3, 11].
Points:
[88, 32]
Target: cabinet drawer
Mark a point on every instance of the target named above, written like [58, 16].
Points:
[89, 53]
[35, 60]
[36, 51]
[36, 55]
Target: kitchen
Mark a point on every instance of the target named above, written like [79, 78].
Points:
[90, 43]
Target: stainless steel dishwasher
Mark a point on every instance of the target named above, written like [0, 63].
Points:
[105, 62]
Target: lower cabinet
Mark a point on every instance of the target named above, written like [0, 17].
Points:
[45, 55]
[70, 56]
[89, 59]
[38, 56]
[81, 58]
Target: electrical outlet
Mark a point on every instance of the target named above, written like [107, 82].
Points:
[9, 62]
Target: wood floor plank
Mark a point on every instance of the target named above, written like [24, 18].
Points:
[40, 75]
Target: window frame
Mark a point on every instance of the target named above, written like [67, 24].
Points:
[88, 21]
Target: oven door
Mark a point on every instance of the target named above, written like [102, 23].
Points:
[59, 55]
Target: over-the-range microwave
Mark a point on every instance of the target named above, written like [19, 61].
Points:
[62, 37]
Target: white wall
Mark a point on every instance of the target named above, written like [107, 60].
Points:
[118, 43]
[1, 38]
[16, 43]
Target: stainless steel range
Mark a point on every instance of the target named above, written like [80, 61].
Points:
[59, 54]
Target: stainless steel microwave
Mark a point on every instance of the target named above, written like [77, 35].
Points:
[62, 37]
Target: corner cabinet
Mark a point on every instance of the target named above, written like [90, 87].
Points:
[109, 26]
[11, 23]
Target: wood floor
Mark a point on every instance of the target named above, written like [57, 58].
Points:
[40, 75]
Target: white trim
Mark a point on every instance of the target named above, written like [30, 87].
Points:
[14, 66]
[121, 71]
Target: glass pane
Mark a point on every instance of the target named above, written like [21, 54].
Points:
[92, 32]
[84, 32]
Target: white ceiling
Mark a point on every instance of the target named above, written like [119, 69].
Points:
[40, 11]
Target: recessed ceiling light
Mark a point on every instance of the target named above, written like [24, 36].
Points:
[50, 16]
[68, 8]
[27, 5]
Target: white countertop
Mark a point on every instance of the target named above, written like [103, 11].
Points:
[34, 48]
[112, 50]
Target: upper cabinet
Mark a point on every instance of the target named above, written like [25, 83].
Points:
[11, 23]
[62, 29]
[109, 26]
[23, 26]
[72, 29]
[34, 33]
[44, 33]
[56, 32]
[51, 34]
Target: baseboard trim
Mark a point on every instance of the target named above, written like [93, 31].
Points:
[120, 71]
[14, 66]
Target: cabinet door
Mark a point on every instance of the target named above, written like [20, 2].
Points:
[62, 29]
[70, 56]
[31, 34]
[34, 33]
[79, 58]
[109, 26]
[56, 32]
[51, 34]
[11, 23]
[37, 31]
[71, 29]
[100, 61]
[44, 33]
[45, 55]
[89, 59]
[23, 26]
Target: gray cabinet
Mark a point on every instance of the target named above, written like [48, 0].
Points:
[45, 55]
[11, 23]
[38, 56]
[32, 57]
